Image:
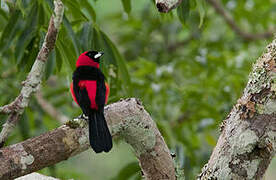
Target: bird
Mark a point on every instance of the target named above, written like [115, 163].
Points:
[90, 91]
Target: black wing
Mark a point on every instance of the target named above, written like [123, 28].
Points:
[81, 96]
[100, 94]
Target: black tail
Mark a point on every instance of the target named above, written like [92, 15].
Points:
[99, 135]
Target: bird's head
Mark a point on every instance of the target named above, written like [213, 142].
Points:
[89, 58]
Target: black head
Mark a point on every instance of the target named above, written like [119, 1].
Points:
[94, 55]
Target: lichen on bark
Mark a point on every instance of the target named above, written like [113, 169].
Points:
[248, 137]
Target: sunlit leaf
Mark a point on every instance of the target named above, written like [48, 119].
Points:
[201, 9]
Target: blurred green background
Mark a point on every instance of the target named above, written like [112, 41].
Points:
[188, 67]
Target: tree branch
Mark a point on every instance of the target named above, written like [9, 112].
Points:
[248, 139]
[7, 109]
[231, 22]
[48, 108]
[127, 119]
[36, 176]
[31, 84]
[165, 6]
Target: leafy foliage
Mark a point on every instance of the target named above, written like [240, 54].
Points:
[188, 67]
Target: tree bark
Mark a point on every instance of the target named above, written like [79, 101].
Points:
[165, 6]
[127, 119]
[36, 176]
[248, 136]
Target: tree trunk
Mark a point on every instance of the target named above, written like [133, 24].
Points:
[248, 136]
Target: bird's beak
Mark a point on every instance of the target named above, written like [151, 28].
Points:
[98, 55]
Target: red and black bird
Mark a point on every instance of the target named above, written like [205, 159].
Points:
[90, 92]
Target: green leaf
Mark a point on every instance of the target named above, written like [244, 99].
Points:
[127, 5]
[48, 9]
[27, 35]
[86, 36]
[19, 5]
[65, 53]
[183, 11]
[201, 4]
[120, 62]
[128, 171]
[86, 5]
[75, 9]
[58, 59]
[65, 47]
[96, 40]
[30, 54]
[23, 42]
[9, 31]
[71, 34]
[41, 15]
[51, 63]
[3, 14]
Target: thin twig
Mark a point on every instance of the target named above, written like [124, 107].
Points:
[7, 109]
[50, 109]
[33, 80]
[231, 22]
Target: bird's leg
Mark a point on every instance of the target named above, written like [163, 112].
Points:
[85, 117]
[82, 116]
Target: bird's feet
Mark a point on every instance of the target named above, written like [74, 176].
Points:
[79, 121]
[83, 116]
